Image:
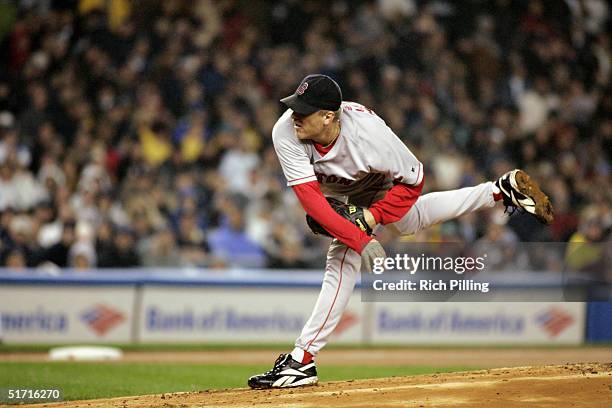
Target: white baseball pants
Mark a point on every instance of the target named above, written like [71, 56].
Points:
[344, 265]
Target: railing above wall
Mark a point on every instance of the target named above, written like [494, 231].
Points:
[231, 277]
[158, 276]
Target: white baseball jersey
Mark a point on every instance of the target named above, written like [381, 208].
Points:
[365, 160]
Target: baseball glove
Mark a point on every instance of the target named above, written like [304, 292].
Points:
[351, 212]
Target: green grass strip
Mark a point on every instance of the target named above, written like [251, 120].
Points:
[102, 380]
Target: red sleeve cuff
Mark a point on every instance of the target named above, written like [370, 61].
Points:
[317, 207]
[363, 242]
[376, 214]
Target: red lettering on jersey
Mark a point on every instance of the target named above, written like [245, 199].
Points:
[327, 179]
[358, 107]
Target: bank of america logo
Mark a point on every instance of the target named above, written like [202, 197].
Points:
[101, 318]
[554, 320]
[348, 320]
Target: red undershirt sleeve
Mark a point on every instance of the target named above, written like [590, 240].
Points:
[315, 205]
[396, 203]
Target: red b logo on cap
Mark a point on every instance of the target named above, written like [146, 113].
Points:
[302, 88]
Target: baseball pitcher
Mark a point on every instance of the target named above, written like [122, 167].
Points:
[351, 173]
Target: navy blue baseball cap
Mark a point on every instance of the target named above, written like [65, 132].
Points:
[316, 92]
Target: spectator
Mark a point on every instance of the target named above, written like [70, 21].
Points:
[105, 246]
[125, 255]
[191, 239]
[229, 241]
[161, 251]
[82, 256]
[15, 260]
[58, 253]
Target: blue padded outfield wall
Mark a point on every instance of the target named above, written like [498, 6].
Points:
[599, 322]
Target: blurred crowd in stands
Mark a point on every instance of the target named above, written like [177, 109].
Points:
[138, 133]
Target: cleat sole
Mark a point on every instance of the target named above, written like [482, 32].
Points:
[543, 210]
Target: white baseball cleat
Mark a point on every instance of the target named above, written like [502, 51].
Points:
[286, 373]
[520, 191]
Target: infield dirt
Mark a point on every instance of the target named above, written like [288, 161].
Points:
[568, 385]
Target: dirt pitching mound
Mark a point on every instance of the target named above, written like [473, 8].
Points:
[569, 385]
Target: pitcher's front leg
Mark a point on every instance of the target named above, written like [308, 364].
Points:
[434, 208]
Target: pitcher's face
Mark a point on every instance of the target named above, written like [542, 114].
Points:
[313, 126]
